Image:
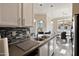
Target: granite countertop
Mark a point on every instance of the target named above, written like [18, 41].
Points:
[27, 46]
[20, 48]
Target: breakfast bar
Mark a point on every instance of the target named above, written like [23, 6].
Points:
[27, 46]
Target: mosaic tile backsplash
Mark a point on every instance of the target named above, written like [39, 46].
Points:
[15, 34]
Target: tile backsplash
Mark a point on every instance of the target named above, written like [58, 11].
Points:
[15, 34]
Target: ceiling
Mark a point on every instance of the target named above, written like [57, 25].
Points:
[57, 9]
[48, 5]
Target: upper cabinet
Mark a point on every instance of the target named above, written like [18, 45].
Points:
[27, 14]
[16, 14]
[0, 13]
[75, 8]
[9, 14]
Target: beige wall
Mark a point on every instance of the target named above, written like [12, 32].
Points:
[75, 8]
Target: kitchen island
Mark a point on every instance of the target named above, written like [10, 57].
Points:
[27, 46]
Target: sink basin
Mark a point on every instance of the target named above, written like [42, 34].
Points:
[42, 38]
[45, 37]
[39, 39]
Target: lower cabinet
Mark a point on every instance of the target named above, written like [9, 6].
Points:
[33, 53]
[43, 50]
[51, 47]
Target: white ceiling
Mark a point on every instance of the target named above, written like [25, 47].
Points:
[55, 5]
[58, 9]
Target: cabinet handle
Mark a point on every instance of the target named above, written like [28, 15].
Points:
[23, 22]
[18, 21]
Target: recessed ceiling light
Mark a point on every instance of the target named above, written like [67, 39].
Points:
[41, 5]
[51, 5]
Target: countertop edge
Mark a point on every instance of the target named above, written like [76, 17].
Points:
[40, 44]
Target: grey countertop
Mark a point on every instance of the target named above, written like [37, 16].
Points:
[20, 48]
[27, 46]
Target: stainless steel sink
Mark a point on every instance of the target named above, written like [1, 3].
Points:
[41, 38]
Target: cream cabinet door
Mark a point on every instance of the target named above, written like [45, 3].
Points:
[0, 13]
[51, 47]
[10, 13]
[43, 50]
[27, 14]
[75, 8]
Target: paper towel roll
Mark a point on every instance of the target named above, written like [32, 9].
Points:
[4, 51]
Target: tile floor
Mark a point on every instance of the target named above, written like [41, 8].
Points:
[63, 49]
